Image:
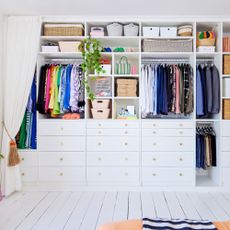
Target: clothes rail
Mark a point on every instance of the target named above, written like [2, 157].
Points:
[64, 60]
[163, 60]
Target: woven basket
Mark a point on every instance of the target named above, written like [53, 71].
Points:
[226, 44]
[172, 45]
[63, 30]
[226, 63]
[126, 87]
[226, 109]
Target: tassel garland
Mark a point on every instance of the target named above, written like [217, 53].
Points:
[13, 158]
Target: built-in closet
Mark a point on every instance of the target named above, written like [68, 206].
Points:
[151, 148]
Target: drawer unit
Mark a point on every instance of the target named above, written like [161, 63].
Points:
[113, 124]
[111, 175]
[61, 159]
[226, 129]
[226, 159]
[113, 159]
[112, 132]
[167, 176]
[61, 143]
[185, 144]
[28, 158]
[167, 132]
[226, 177]
[62, 174]
[62, 128]
[168, 159]
[112, 143]
[167, 125]
[226, 144]
[29, 174]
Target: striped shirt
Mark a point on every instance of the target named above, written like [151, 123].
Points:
[166, 224]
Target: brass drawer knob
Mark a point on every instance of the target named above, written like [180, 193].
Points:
[154, 144]
[154, 159]
[99, 174]
[180, 174]
[62, 128]
[181, 144]
[126, 174]
[61, 143]
[181, 125]
[154, 174]
[154, 125]
[126, 132]
[180, 159]
[22, 174]
[154, 132]
[99, 132]
[126, 158]
[181, 132]
[99, 143]
[61, 174]
[99, 158]
[61, 159]
[99, 124]
[126, 143]
[23, 158]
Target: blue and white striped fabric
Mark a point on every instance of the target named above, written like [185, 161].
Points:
[167, 224]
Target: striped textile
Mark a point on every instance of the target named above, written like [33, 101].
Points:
[166, 224]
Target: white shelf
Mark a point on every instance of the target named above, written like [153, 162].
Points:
[100, 75]
[205, 181]
[226, 75]
[167, 54]
[169, 38]
[61, 55]
[62, 38]
[125, 98]
[126, 75]
[207, 54]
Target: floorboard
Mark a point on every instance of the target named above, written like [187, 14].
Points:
[121, 209]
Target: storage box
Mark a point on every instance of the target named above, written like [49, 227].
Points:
[126, 87]
[164, 45]
[226, 87]
[107, 68]
[185, 30]
[69, 46]
[100, 113]
[61, 29]
[168, 32]
[226, 64]
[50, 49]
[226, 109]
[100, 104]
[149, 31]
[201, 41]
[209, 49]
[226, 43]
[103, 87]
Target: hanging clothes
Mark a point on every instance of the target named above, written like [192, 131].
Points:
[61, 90]
[207, 91]
[27, 135]
[205, 147]
[166, 90]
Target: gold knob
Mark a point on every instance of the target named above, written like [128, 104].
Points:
[61, 159]
[154, 132]
[61, 143]
[126, 143]
[99, 174]
[154, 158]
[181, 144]
[126, 125]
[126, 174]
[181, 125]
[99, 124]
[126, 132]
[62, 128]
[154, 174]
[126, 158]
[181, 159]
[23, 174]
[99, 132]
[61, 174]
[154, 125]
[23, 159]
[99, 158]
[99, 143]
[180, 174]
[154, 144]
[181, 132]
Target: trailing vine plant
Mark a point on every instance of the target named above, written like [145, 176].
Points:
[91, 52]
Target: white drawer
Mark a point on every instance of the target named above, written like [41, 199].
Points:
[29, 174]
[113, 124]
[62, 174]
[226, 129]
[61, 159]
[168, 132]
[226, 144]
[63, 127]
[226, 159]
[226, 173]
[112, 143]
[61, 143]
[168, 159]
[112, 175]
[29, 158]
[167, 176]
[167, 144]
[112, 159]
[112, 132]
[167, 124]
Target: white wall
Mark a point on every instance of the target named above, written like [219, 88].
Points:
[1, 75]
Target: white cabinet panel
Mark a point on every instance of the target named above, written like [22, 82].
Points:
[61, 159]
[112, 143]
[226, 129]
[113, 174]
[167, 124]
[112, 159]
[226, 143]
[62, 127]
[226, 159]
[61, 143]
[113, 124]
[167, 176]
[168, 132]
[167, 144]
[29, 174]
[169, 159]
[112, 132]
[62, 174]
[28, 158]
[226, 173]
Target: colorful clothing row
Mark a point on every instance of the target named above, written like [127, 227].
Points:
[207, 91]
[61, 90]
[166, 90]
[27, 135]
[205, 147]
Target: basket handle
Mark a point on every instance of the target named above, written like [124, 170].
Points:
[123, 58]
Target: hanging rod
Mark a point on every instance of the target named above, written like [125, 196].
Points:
[205, 122]
[204, 59]
[166, 60]
[65, 60]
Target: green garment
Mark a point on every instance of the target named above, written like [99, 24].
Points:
[22, 136]
[56, 109]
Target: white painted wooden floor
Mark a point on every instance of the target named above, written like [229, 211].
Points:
[87, 210]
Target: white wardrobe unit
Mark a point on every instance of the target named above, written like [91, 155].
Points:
[143, 153]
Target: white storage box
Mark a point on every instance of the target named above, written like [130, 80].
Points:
[226, 87]
[50, 49]
[107, 68]
[131, 30]
[152, 32]
[69, 46]
[168, 32]
[209, 49]
[115, 29]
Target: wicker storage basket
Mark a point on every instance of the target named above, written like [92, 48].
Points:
[126, 87]
[100, 104]
[226, 109]
[100, 113]
[131, 30]
[115, 29]
[209, 41]
[69, 46]
[163, 45]
[226, 44]
[226, 64]
[63, 29]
